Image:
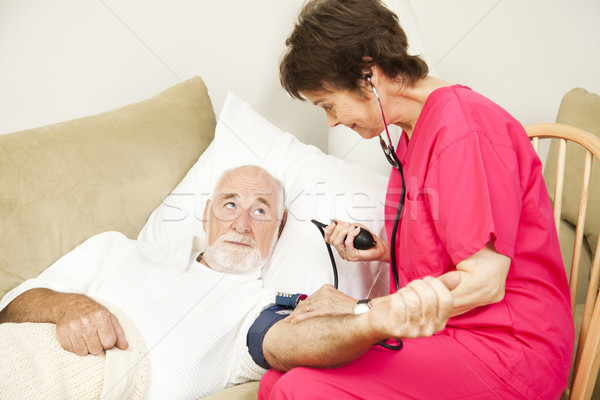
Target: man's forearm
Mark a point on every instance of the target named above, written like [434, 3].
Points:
[321, 342]
[421, 308]
[37, 305]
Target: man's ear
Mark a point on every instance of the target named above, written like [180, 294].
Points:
[205, 216]
[282, 223]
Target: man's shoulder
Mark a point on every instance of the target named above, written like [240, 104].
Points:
[103, 241]
[119, 246]
[115, 238]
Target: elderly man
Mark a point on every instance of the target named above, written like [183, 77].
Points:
[127, 312]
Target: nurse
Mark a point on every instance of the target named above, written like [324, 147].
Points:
[474, 205]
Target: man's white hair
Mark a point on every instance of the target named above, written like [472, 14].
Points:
[274, 181]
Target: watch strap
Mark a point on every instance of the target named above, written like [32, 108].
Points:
[362, 306]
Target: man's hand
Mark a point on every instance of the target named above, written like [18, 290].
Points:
[83, 326]
[325, 301]
[86, 327]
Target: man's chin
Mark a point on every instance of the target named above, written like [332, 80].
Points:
[236, 263]
[235, 268]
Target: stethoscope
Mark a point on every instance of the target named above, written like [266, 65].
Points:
[392, 158]
[390, 155]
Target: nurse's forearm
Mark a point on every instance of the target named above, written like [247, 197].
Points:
[483, 280]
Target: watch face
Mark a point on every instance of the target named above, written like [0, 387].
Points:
[361, 308]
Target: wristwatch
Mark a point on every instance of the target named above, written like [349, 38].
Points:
[362, 306]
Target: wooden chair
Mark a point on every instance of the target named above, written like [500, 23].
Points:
[587, 355]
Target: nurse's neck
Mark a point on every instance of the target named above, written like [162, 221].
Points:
[409, 102]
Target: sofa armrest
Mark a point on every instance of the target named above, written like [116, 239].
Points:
[245, 391]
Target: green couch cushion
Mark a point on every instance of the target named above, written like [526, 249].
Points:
[581, 109]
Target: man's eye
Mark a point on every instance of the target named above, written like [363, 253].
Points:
[230, 205]
[261, 213]
[327, 107]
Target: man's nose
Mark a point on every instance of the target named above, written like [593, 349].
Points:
[242, 222]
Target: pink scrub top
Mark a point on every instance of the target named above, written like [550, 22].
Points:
[472, 177]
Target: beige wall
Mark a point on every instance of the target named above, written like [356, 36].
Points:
[69, 58]
[524, 54]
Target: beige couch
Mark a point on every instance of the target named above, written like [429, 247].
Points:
[581, 109]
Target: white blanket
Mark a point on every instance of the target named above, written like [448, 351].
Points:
[35, 366]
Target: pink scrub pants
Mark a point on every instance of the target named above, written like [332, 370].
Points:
[426, 368]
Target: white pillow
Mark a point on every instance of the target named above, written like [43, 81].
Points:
[317, 186]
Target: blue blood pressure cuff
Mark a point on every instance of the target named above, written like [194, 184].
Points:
[256, 333]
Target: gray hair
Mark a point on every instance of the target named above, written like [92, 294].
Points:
[274, 181]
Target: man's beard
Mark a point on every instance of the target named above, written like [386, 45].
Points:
[234, 259]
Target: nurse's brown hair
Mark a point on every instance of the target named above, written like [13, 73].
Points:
[334, 40]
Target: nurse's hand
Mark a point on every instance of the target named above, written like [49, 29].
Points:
[419, 309]
[341, 236]
[325, 301]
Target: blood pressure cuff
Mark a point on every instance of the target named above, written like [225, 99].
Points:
[256, 333]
